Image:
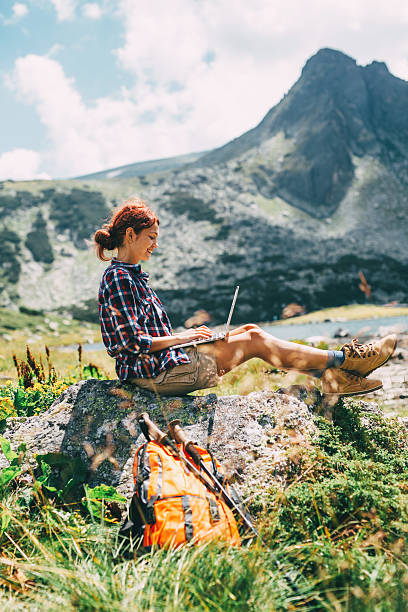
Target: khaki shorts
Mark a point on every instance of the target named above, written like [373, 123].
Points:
[200, 373]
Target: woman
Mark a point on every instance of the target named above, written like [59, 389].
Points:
[137, 332]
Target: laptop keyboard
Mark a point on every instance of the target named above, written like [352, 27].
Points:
[213, 337]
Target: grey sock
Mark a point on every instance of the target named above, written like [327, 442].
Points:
[335, 359]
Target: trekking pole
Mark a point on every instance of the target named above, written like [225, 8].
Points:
[152, 432]
[179, 435]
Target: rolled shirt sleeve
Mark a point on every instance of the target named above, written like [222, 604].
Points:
[125, 310]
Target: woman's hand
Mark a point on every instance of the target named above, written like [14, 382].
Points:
[189, 335]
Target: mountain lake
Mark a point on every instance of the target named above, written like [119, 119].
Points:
[327, 329]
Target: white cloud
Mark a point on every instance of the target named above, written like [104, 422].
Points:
[21, 164]
[65, 9]
[55, 50]
[92, 10]
[19, 10]
[163, 41]
[85, 139]
[258, 49]
[204, 72]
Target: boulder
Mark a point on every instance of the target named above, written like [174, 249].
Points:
[97, 421]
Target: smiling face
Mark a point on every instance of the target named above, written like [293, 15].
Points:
[140, 246]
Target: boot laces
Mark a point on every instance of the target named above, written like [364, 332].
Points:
[360, 350]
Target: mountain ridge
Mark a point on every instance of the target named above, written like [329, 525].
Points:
[320, 196]
[161, 164]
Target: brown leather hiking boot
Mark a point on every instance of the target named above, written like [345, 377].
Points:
[362, 359]
[339, 382]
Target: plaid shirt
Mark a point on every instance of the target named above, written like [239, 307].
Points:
[131, 314]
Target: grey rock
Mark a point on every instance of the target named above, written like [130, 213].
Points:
[341, 333]
[97, 421]
[394, 374]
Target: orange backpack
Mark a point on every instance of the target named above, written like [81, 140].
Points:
[171, 505]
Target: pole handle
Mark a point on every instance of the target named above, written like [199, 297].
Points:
[154, 433]
[176, 432]
[180, 437]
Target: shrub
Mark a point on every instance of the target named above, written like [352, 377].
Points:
[38, 242]
[20, 401]
[22, 199]
[79, 212]
[38, 386]
[196, 209]
[9, 258]
[354, 479]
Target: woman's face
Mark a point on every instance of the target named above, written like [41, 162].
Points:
[142, 245]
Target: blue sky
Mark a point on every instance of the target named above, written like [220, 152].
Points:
[86, 86]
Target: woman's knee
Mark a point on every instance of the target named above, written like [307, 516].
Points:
[256, 332]
[251, 326]
[257, 339]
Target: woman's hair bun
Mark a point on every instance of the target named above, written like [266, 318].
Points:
[105, 239]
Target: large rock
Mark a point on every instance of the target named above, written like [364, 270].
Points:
[96, 420]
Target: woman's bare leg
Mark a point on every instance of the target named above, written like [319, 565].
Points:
[251, 341]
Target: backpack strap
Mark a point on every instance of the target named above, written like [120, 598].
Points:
[188, 517]
[143, 480]
[132, 528]
[142, 472]
[213, 507]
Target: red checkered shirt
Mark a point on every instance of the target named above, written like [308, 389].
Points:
[131, 314]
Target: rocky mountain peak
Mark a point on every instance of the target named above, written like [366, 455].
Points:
[336, 110]
[325, 61]
[379, 67]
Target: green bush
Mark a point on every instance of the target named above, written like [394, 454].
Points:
[354, 479]
[38, 386]
[196, 209]
[80, 211]
[10, 266]
[22, 199]
[38, 242]
[16, 400]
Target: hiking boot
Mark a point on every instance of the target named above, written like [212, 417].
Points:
[339, 382]
[362, 359]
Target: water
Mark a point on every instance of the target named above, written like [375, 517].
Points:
[301, 331]
[356, 327]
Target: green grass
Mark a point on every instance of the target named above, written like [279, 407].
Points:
[333, 525]
[61, 334]
[334, 535]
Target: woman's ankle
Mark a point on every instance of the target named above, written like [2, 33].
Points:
[335, 359]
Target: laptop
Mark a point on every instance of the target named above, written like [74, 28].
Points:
[214, 337]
